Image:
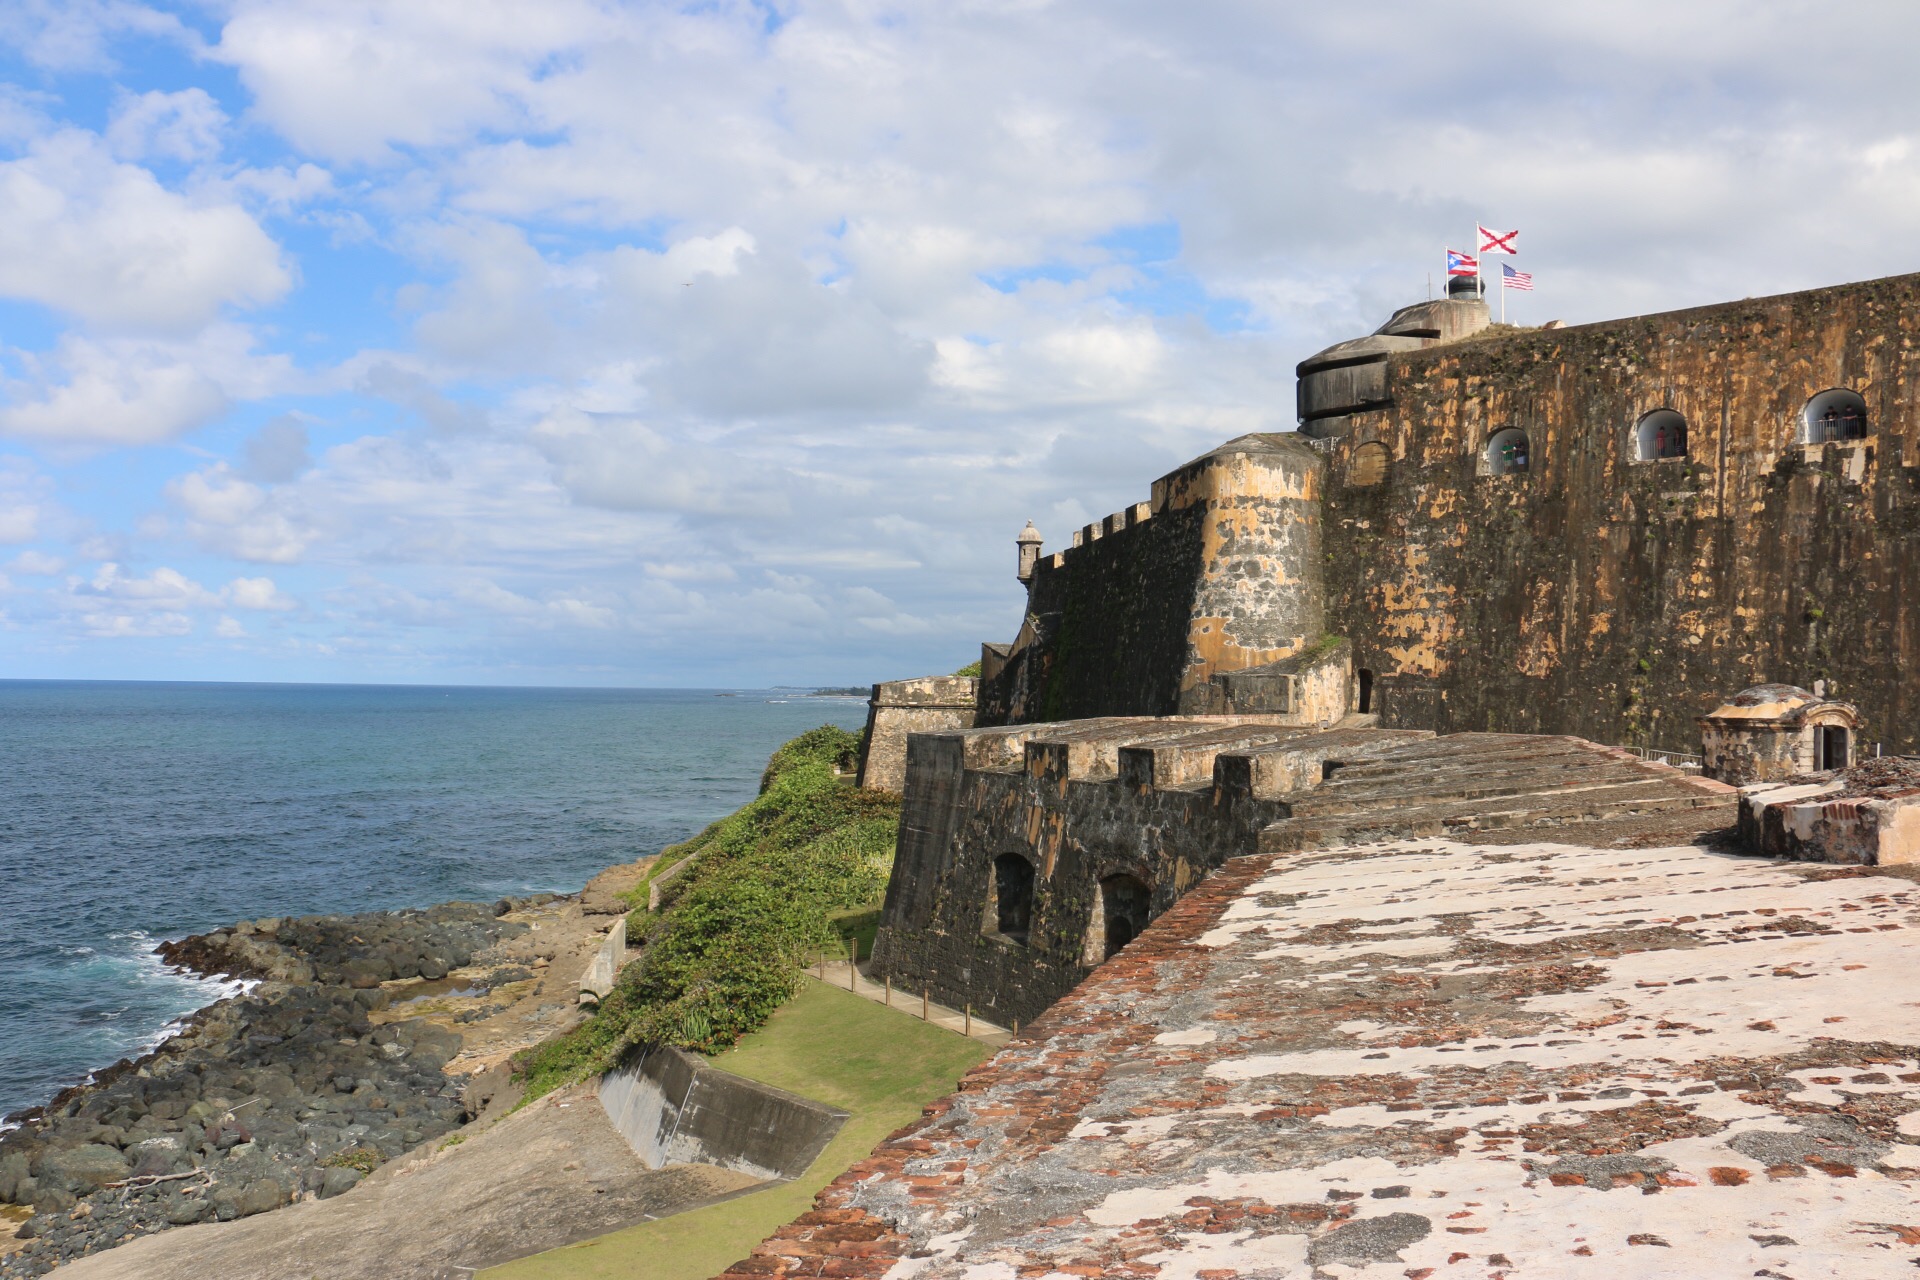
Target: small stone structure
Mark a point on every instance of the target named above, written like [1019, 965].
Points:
[1868, 815]
[604, 969]
[930, 704]
[1774, 731]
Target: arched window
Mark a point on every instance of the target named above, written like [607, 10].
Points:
[1012, 909]
[1507, 452]
[1369, 465]
[1838, 414]
[1124, 903]
[1662, 434]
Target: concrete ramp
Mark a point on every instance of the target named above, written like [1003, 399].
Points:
[672, 1108]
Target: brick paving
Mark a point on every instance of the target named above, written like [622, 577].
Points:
[1425, 1057]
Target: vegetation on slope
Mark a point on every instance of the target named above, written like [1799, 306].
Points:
[755, 904]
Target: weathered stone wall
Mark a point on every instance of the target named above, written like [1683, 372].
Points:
[1218, 573]
[1617, 599]
[1079, 807]
[899, 708]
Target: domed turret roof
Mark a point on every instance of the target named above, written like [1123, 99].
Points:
[1784, 703]
[1029, 534]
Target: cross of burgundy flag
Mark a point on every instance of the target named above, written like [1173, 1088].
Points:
[1462, 264]
[1497, 241]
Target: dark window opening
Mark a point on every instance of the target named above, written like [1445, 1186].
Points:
[1834, 415]
[1662, 434]
[1012, 896]
[1830, 748]
[1330, 767]
[1366, 691]
[1124, 902]
[1507, 453]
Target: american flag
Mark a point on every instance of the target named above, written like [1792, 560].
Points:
[1511, 279]
[1462, 264]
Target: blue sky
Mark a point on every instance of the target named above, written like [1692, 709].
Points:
[600, 343]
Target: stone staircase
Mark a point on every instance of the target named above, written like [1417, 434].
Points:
[1482, 781]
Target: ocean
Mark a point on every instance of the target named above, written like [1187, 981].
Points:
[133, 812]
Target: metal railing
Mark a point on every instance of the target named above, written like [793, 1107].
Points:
[1677, 759]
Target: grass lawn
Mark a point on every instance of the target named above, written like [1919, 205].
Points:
[880, 1064]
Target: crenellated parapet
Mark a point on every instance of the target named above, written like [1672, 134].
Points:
[1030, 853]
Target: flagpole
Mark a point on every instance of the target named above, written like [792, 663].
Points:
[1479, 271]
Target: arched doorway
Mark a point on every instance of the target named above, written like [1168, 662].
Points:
[1124, 907]
[1011, 912]
[1507, 453]
[1662, 434]
[1838, 414]
[1832, 747]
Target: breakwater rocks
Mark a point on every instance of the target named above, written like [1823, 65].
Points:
[296, 1089]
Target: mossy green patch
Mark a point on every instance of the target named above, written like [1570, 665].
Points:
[881, 1064]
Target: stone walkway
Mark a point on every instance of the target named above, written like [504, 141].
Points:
[848, 977]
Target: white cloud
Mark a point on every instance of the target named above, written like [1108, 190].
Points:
[38, 564]
[96, 238]
[349, 79]
[111, 393]
[229, 514]
[137, 391]
[229, 629]
[73, 35]
[184, 126]
[256, 593]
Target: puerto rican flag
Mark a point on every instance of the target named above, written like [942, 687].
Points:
[1462, 264]
[1498, 241]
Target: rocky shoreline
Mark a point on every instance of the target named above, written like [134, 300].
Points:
[296, 1089]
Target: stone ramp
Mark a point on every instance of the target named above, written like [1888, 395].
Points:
[1483, 781]
[549, 1175]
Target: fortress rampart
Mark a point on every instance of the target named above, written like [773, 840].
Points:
[1601, 530]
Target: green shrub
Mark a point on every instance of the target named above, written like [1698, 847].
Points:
[735, 928]
[971, 669]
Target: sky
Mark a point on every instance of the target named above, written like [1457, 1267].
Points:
[591, 343]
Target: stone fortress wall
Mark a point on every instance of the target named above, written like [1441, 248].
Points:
[1601, 594]
[1600, 531]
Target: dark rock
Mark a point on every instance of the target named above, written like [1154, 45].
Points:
[261, 1196]
[14, 1170]
[52, 1199]
[335, 1181]
[82, 1168]
[251, 1090]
